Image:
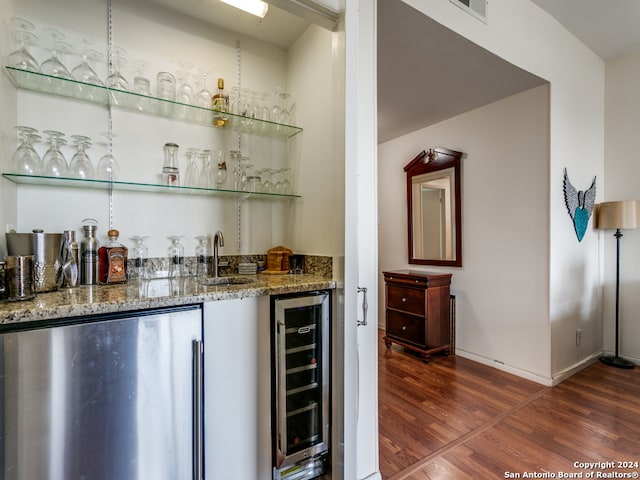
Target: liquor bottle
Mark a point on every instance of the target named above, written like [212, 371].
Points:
[112, 260]
[220, 104]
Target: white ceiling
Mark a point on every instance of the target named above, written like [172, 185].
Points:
[427, 73]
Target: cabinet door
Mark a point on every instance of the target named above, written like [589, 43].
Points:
[237, 389]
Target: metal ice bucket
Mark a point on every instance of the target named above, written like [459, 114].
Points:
[45, 248]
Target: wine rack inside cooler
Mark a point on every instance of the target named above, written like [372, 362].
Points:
[301, 385]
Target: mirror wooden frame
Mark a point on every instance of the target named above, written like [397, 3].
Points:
[436, 160]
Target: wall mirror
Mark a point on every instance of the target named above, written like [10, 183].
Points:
[434, 208]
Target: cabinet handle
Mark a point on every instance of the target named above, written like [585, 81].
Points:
[365, 306]
[197, 410]
[404, 327]
[404, 300]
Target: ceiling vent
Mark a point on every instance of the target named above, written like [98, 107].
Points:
[477, 8]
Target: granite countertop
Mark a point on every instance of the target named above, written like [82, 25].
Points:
[141, 295]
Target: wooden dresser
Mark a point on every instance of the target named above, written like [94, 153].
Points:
[418, 311]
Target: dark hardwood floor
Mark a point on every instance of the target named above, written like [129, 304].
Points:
[455, 419]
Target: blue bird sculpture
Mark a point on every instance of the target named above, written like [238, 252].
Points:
[579, 204]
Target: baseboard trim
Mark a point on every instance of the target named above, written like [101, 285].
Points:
[547, 382]
[374, 476]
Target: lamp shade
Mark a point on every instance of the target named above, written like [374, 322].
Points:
[623, 214]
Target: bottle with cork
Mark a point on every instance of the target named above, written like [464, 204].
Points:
[220, 105]
[112, 260]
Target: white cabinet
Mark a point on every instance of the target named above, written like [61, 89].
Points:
[237, 389]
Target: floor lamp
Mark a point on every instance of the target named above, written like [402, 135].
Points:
[617, 216]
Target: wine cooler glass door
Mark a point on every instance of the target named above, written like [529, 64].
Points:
[302, 377]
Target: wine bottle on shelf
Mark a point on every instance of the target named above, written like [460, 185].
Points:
[220, 104]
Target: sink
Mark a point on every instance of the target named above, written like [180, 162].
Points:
[216, 281]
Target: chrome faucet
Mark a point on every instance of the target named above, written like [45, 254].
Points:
[218, 240]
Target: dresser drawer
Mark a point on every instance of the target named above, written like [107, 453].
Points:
[406, 299]
[407, 328]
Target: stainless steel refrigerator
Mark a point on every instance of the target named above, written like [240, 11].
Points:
[103, 398]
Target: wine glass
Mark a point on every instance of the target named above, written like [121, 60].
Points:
[108, 167]
[202, 256]
[203, 96]
[116, 80]
[55, 165]
[81, 166]
[176, 256]
[267, 183]
[84, 71]
[53, 65]
[139, 254]
[206, 175]
[26, 160]
[21, 58]
[244, 173]
[184, 92]
[192, 173]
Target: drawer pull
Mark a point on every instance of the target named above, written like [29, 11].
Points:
[404, 300]
[404, 327]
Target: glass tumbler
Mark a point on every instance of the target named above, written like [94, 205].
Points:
[139, 255]
[170, 170]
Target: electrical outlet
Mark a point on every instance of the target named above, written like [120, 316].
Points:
[578, 337]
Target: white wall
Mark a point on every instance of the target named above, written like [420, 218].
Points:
[501, 290]
[621, 183]
[523, 34]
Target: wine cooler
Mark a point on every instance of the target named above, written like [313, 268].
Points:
[300, 390]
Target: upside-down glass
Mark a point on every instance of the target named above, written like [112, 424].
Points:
[84, 71]
[139, 254]
[192, 174]
[220, 166]
[116, 80]
[175, 254]
[81, 166]
[202, 256]
[108, 167]
[26, 160]
[53, 65]
[55, 164]
[21, 58]
[166, 90]
[206, 173]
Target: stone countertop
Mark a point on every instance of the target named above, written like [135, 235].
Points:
[141, 295]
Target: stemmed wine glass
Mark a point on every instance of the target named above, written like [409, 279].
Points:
[21, 58]
[116, 80]
[202, 256]
[108, 167]
[84, 71]
[176, 256]
[53, 65]
[205, 172]
[139, 254]
[55, 165]
[81, 166]
[184, 93]
[26, 160]
[203, 96]
[192, 174]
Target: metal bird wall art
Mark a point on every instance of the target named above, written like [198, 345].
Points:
[579, 204]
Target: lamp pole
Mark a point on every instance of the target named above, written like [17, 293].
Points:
[617, 361]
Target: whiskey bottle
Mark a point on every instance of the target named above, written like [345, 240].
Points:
[220, 105]
[112, 260]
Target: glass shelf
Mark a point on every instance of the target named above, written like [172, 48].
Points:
[135, 186]
[39, 82]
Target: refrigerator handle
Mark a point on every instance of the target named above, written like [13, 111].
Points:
[365, 307]
[197, 411]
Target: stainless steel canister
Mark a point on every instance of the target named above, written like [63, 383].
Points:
[44, 247]
[3, 290]
[19, 277]
[69, 273]
[89, 254]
